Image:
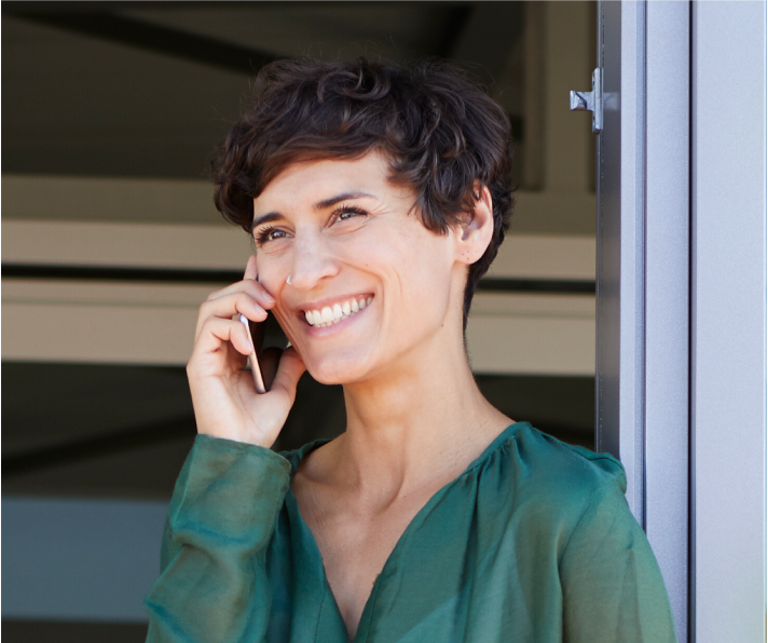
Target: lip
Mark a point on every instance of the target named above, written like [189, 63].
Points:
[318, 306]
[330, 301]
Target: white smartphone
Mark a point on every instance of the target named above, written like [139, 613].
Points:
[257, 338]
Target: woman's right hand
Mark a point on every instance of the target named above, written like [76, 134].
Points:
[224, 397]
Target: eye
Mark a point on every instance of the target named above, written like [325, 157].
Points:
[347, 212]
[266, 235]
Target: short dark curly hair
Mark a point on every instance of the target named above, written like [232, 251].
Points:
[437, 126]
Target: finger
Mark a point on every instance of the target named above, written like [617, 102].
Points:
[228, 306]
[289, 370]
[215, 331]
[249, 286]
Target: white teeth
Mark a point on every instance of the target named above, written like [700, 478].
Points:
[330, 315]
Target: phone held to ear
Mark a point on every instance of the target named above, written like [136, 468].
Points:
[257, 338]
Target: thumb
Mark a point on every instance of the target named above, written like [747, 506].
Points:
[289, 370]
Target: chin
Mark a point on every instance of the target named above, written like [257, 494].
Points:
[330, 371]
[331, 375]
[327, 380]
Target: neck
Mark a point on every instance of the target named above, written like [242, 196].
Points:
[406, 428]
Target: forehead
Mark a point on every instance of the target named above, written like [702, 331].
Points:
[315, 181]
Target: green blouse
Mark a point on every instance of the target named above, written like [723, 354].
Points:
[533, 542]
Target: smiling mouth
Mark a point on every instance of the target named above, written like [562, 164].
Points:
[330, 315]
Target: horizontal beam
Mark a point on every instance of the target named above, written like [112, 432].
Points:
[30, 198]
[34, 197]
[158, 39]
[153, 324]
[125, 245]
[535, 345]
[170, 275]
[216, 247]
[96, 446]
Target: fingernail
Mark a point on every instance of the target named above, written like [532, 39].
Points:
[245, 322]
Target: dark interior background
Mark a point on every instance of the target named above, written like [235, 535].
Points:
[148, 89]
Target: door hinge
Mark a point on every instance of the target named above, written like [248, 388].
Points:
[591, 101]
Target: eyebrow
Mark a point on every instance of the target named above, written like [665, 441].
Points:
[321, 205]
[265, 218]
[269, 217]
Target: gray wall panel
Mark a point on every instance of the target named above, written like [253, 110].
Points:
[88, 560]
[729, 320]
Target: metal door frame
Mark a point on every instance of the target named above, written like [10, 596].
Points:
[643, 271]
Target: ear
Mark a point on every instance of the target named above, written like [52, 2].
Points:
[474, 234]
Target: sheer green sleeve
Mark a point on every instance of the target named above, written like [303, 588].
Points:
[213, 583]
[612, 587]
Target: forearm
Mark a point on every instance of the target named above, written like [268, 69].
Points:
[222, 516]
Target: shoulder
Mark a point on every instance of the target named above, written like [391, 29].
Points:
[535, 458]
[297, 456]
[549, 480]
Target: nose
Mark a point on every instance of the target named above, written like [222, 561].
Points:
[313, 261]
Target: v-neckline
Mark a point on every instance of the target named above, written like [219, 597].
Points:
[291, 500]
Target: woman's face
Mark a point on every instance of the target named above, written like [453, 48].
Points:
[361, 285]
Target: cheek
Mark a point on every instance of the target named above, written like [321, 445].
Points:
[423, 277]
[408, 245]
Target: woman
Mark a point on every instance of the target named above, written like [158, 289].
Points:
[377, 197]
